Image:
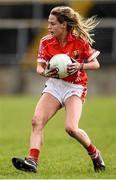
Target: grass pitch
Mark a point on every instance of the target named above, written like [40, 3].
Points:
[61, 157]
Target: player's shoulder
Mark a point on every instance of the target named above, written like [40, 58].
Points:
[46, 39]
[81, 39]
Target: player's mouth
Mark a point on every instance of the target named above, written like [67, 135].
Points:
[51, 32]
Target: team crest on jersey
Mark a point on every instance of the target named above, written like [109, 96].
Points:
[75, 54]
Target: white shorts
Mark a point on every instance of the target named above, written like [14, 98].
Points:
[61, 89]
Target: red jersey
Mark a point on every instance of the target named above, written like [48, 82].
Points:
[75, 48]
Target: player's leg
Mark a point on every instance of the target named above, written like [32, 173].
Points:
[73, 108]
[45, 109]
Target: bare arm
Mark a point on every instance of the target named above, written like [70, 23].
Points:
[92, 65]
[43, 70]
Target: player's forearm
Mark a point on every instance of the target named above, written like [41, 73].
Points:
[40, 68]
[91, 65]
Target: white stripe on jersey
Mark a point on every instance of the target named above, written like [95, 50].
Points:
[94, 55]
[41, 60]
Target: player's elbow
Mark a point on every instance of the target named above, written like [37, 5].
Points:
[97, 65]
[37, 70]
[40, 68]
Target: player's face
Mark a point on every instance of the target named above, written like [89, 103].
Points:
[55, 27]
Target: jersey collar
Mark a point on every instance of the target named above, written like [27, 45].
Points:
[70, 38]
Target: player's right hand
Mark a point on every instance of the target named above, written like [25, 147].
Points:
[51, 73]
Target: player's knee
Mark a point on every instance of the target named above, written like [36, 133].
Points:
[70, 130]
[37, 122]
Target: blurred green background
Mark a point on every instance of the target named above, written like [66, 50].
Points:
[61, 157]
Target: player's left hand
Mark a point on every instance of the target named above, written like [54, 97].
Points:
[73, 68]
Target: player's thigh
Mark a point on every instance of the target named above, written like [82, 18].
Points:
[73, 109]
[47, 106]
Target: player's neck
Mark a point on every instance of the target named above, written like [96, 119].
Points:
[63, 39]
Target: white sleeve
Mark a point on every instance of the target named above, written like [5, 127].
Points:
[41, 60]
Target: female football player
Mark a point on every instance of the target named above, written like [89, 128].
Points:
[69, 33]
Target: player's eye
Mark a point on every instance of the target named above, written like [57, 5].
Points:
[52, 23]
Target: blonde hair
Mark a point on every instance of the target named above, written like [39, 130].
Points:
[75, 22]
